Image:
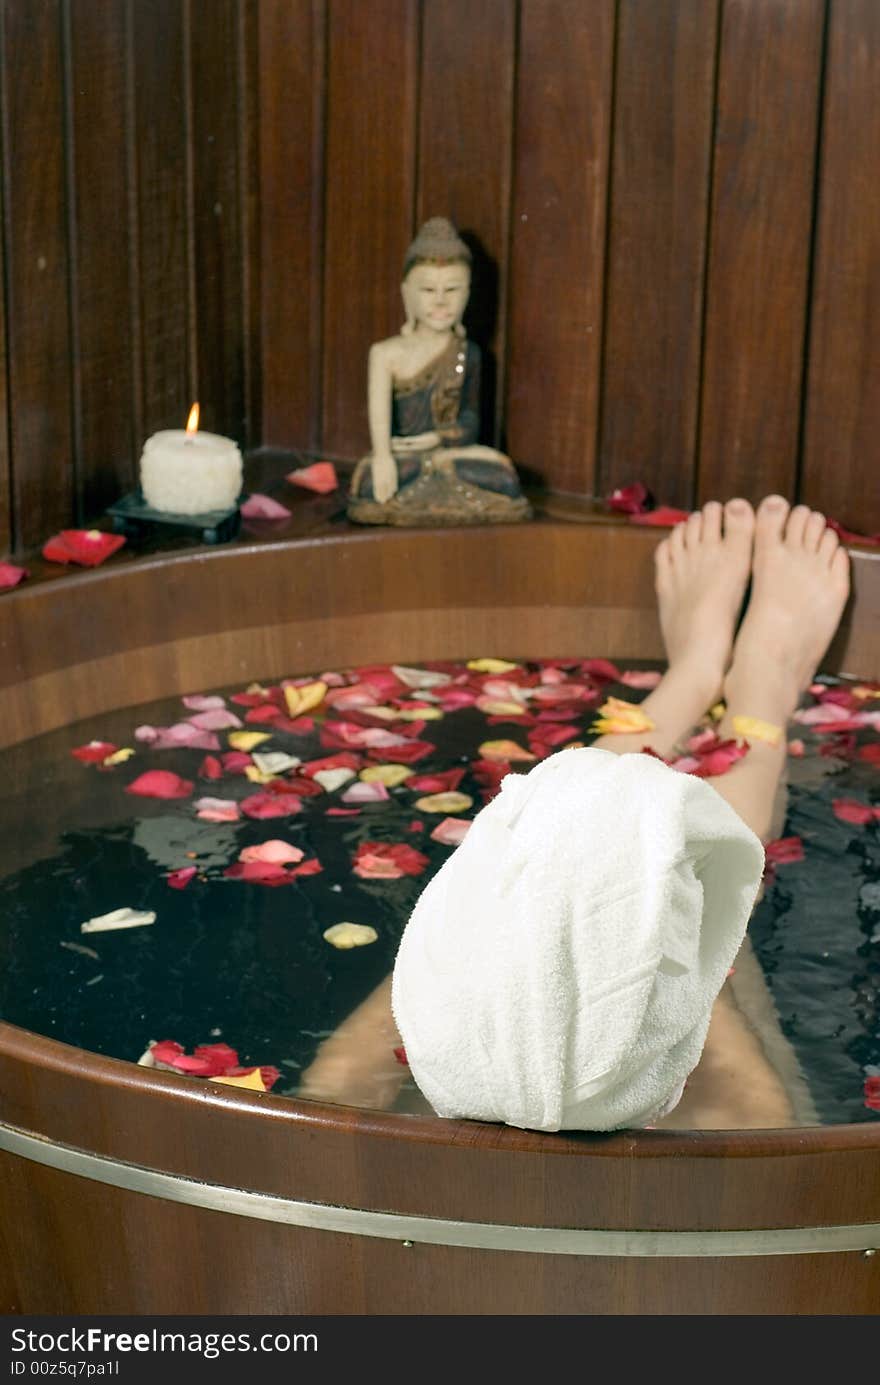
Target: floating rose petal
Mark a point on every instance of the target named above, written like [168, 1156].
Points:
[160, 783]
[629, 500]
[179, 879]
[94, 753]
[259, 506]
[663, 515]
[11, 576]
[333, 779]
[617, 717]
[269, 805]
[118, 757]
[421, 714]
[259, 873]
[215, 719]
[491, 665]
[319, 477]
[274, 851]
[266, 713]
[311, 867]
[217, 810]
[260, 776]
[638, 678]
[365, 792]
[436, 783]
[508, 751]
[824, 712]
[500, 710]
[450, 802]
[554, 735]
[850, 810]
[451, 831]
[703, 740]
[343, 813]
[872, 1092]
[601, 669]
[247, 740]
[453, 699]
[235, 761]
[196, 702]
[420, 677]
[409, 752]
[345, 935]
[387, 861]
[400, 1055]
[118, 918]
[275, 761]
[303, 697]
[251, 1081]
[86, 547]
[389, 775]
[344, 760]
[796, 748]
[841, 747]
[784, 851]
[870, 753]
[183, 733]
[717, 759]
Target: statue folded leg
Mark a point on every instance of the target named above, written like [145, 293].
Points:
[445, 487]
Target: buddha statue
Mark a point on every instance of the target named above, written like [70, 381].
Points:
[426, 466]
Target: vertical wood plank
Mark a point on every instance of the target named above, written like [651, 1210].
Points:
[97, 217]
[370, 199]
[464, 159]
[840, 467]
[160, 144]
[292, 39]
[5, 472]
[37, 268]
[663, 106]
[247, 103]
[760, 231]
[563, 106]
[216, 210]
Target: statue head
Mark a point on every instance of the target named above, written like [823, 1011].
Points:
[436, 278]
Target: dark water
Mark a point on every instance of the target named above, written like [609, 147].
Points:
[247, 964]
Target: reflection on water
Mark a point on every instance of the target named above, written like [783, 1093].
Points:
[242, 963]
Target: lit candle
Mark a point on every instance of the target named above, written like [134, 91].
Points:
[185, 472]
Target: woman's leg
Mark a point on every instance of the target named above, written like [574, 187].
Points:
[799, 588]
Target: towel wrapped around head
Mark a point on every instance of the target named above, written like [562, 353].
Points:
[559, 971]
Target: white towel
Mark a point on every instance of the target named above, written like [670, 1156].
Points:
[559, 971]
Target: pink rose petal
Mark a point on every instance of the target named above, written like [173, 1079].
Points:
[217, 810]
[450, 831]
[179, 879]
[361, 792]
[215, 719]
[851, 810]
[636, 678]
[11, 576]
[275, 851]
[259, 506]
[195, 702]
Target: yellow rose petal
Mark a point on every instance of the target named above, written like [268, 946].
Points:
[259, 776]
[617, 717]
[119, 757]
[420, 714]
[717, 712]
[246, 740]
[350, 935]
[304, 698]
[752, 728]
[491, 665]
[504, 750]
[862, 692]
[252, 1080]
[449, 802]
[389, 775]
[382, 713]
[502, 709]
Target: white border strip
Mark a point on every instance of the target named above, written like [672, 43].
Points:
[410, 1230]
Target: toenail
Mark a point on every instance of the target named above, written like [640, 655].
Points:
[736, 507]
[775, 502]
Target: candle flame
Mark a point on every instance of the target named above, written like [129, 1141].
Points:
[192, 423]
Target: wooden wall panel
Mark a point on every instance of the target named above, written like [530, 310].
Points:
[38, 323]
[464, 159]
[292, 60]
[216, 215]
[841, 470]
[248, 102]
[166, 285]
[106, 446]
[370, 198]
[760, 232]
[663, 120]
[557, 252]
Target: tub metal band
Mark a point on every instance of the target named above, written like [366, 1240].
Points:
[410, 1230]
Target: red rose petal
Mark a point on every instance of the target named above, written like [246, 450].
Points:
[271, 805]
[444, 782]
[86, 547]
[850, 810]
[400, 1055]
[870, 753]
[259, 873]
[343, 813]
[210, 768]
[629, 500]
[663, 515]
[602, 669]
[406, 754]
[160, 783]
[784, 851]
[872, 1093]
[94, 753]
[179, 879]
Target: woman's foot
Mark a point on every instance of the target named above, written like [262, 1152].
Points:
[800, 583]
[701, 572]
